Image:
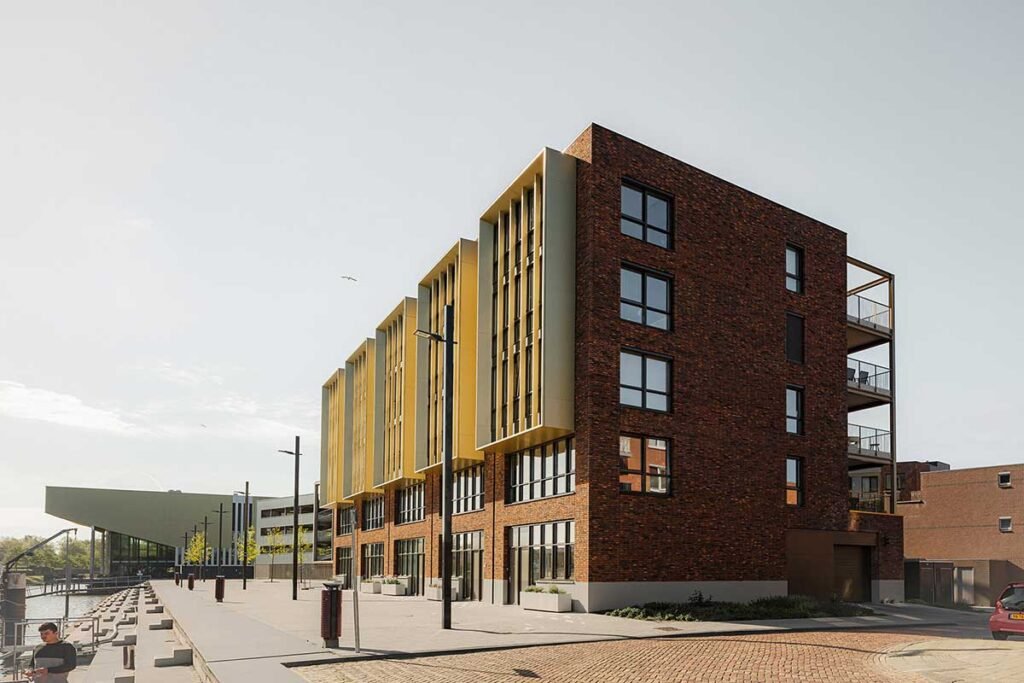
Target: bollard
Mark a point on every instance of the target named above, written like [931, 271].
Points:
[218, 589]
[330, 613]
[191, 581]
[177, 578]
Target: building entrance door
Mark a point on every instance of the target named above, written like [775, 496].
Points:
[410, 562]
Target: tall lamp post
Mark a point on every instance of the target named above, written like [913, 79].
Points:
[220, 539]
[206, 539]
[448, 339]
[245, 536]
[295, 523]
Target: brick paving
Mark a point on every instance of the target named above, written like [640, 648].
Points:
[819, 656]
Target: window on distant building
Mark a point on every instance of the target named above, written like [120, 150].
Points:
[643, 465]
[1004, 479]
[644, 298]
[373, 513]
[410, 504]
[468, 487]
[794, 269]
[644, 381]
[646, 215]
[794, 337]
[542, 471]
[794, 410]
[1006, 524]
[794, 481]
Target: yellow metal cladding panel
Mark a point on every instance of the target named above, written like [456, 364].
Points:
[526, 279]
[395, 400]
[361, 367]
[452, 281]
[332, 438]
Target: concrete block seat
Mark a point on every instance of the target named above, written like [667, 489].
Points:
[126, 639]
[180, 656]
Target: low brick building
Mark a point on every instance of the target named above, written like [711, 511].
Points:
[962, 531]
[653, 375]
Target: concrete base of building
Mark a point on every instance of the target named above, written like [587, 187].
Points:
[599, 596]
[887, 589]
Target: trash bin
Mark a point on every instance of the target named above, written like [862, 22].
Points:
[191, 581]
[218, 589]
[330, 613]
[177, 578]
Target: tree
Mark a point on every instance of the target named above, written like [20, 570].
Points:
[194, 553]
[276, 547]
[47, 559]
[249, 540]
[305, 546]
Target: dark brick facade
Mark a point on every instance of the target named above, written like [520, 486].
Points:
[726, 518]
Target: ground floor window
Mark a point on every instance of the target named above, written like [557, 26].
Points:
[410, 561]
[343, 565]
[373, 560]
[468, 563]
[540, 552]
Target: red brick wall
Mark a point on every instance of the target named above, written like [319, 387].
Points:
[727, 517]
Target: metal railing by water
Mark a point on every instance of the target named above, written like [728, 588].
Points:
[867, 375]
[868, 440]
[868, 311]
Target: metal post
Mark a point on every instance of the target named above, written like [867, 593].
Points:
[206, 538]
[220, 539]
[245, 543]
[67, 577]
[92, 555]
[352, 581]
[446, 479]
[295, 528]
[893, 495]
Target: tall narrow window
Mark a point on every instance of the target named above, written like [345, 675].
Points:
[794, 338]
[643, 465]
[794, 410]
[794, 481]
[644, 381]
[644, 298]
[794, 269]
[646, 215]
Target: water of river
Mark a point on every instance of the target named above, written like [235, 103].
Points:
[52, 606]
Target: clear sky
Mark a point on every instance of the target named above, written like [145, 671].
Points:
[183, 184]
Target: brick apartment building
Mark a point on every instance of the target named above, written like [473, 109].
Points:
[653, 375]
[962, 531]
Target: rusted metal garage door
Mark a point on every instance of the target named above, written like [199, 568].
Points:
[852, 572]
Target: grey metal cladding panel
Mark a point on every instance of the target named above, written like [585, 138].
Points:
[379, 379]
[485, 289]
[346, 483]
[159, 516]
[559, 290]
[423, 295]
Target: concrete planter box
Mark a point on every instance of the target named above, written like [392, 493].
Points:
[546, 602]
[434, 592]
[369, 586]
[392, 588]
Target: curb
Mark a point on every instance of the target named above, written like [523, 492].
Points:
[698, 634]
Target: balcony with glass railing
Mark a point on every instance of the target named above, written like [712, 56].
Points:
[869, 444]
[869, 322]
[868, 385]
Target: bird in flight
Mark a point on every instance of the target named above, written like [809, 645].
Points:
[349, 277]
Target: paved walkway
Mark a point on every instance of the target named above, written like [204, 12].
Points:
[246, 638]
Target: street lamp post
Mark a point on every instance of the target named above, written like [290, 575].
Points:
[245, 535]
[295, 523]
[448, 339]
[202, 567]
[220, 538]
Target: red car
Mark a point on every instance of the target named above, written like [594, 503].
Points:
[1009, 615]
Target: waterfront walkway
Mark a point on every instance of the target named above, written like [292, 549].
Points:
[249, 637]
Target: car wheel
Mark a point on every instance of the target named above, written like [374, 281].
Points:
[999, 635]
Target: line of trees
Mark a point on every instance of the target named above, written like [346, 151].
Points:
[49, 558]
